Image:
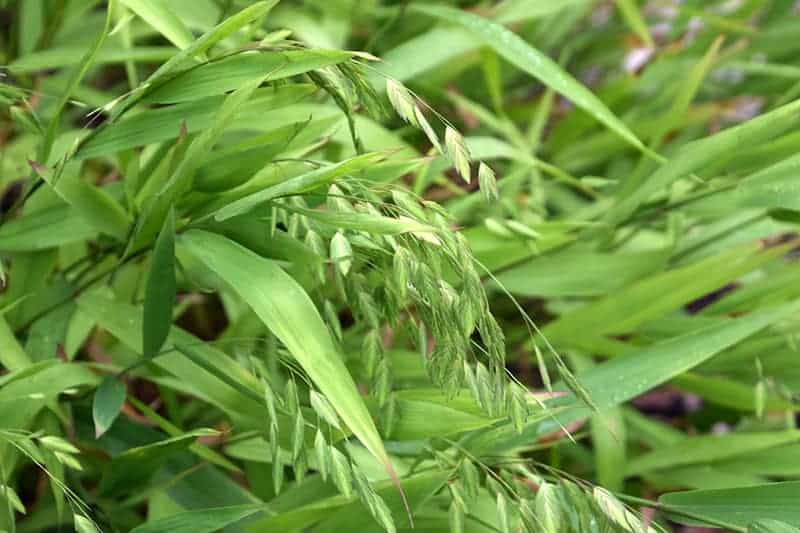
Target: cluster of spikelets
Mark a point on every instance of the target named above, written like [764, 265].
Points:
[396, 262]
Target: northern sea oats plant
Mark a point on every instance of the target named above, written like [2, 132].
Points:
[450, 266]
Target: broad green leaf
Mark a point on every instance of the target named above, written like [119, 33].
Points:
[425, 52]
[282, 304]
[728, 393]
[200, 46]
[779, 462]
[124, 321]
[160, 290]
[299, 184]
[135, 466]
[616, 381]
[70, 55]
[522, 55]
[158, 14]
[737, 507]
[12, 356]
[609, 439]
[201, 520]
[701, 476]
[420, 419]
[46, 228]
[197, 358]
[31, 18]
[180, 180]
[645, 368]
[624, 310]
[94, 204]
[576, 272]
[22, 399]
[771, 188]
[229, 73]
[510, 11]
[108, 400]
[164, 123]
[767, 525]
[339, 513]
[696, 155]
[709, 448]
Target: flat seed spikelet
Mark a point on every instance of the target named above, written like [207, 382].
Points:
[402, 101]
[458, 153]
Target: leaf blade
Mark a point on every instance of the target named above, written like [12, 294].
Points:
[108, 401]
[160, 290]
[519, 53]
[282, 304]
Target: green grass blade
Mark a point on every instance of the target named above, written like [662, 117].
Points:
[99, 209]
[694, 156]
[108, 400]
[200, 521]
[48, 228]
[633, 17]
[623, 378]
[158, 14]
[709, 448]
[200, 46]
[282, 304]
[160, 290]
[736, 508]
[74, 80]
[229, 73]
[522, 55]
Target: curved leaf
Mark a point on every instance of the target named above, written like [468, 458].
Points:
[160, 292]
[283, 305]
[200, 521]
[738, 507]
[108, 400]
[158, 15]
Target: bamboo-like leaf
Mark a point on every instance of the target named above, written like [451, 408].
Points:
[136, 465]
[695, 155]
[709, 448]
[737, 507]
[201, 520]
[164, 123]
[160, 291]
[227, 74]
[99, 209]
[198, 47]
[108, 400]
